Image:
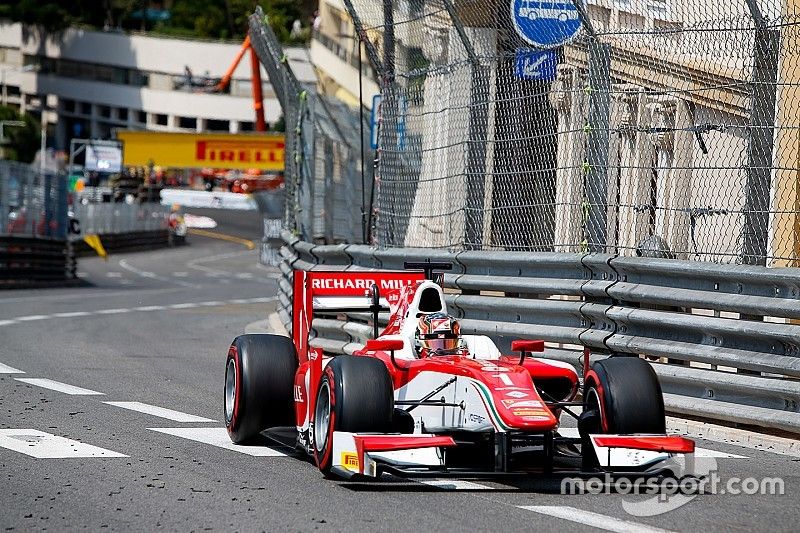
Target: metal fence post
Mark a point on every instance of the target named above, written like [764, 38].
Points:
[597, 144]
[760, 145]
[4, 192]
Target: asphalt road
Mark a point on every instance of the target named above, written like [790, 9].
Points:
[154, 327]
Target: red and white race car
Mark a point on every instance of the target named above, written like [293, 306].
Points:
[472, 412]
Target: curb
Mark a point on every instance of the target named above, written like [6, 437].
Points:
[272, 324]
[737, 437]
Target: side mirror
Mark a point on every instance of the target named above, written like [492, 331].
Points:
[527, 346]
[385, 345]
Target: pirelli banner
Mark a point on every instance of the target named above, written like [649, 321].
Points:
[200, 150]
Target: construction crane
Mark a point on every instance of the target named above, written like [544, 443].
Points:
[258, 98]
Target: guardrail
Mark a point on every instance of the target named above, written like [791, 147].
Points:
[724, 340]
[26, 261]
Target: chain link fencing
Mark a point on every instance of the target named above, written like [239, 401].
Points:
[32, 203]
[663, 128]
[327, 196]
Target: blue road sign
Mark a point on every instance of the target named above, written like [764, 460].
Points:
[545, 23]
[535, 64]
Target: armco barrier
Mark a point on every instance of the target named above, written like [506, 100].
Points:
[724, 340]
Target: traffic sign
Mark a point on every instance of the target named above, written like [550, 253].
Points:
[545, 23]
[538, 65]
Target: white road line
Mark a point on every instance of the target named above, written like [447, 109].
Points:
[150, 308]
[211, 304]
[184, 306]
[31, 318]
[454, 484]
[218, 437]
[5, 369]
[114, 274]
[705, 452]
[7, 322]
[43, 445]
[162, 412]
[244, 275]
[58, 386]
[123, 264]
[239, 301]
[262, 300]
[112, 311]
[72, 314]
[600, 521]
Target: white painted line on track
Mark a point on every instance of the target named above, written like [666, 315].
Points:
[180, 274]
[71, 314]
[162, 412]
[30, 318]
[454, 484]
[600, 521]
[5, 369]
[43, 445]
[145, 308]
[150, 275]
[218, 437]
[705, 452]
[112, 311]
[114, 274]
[59, 387]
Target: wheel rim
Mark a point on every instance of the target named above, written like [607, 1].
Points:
[593, 402]
[230, 389]
[322, 416]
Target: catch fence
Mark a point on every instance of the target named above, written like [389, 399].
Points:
[662, 128]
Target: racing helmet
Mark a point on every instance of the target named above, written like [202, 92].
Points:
[437, 333]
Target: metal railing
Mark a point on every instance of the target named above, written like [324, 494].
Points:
[724, 340]
[117, 218]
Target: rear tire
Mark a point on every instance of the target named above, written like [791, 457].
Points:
[259, 383]
[356, 395]
[626, 395]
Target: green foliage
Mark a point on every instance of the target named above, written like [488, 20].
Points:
[22, 142]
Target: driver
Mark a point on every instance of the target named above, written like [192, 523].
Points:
[438, 334]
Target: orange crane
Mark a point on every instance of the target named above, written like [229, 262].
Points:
[258, 98]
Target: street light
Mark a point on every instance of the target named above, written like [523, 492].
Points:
[26, 68]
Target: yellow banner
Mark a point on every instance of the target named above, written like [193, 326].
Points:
[201, 150]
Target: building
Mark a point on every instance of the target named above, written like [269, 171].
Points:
[84, 84]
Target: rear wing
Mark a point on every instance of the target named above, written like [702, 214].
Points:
[339, 292]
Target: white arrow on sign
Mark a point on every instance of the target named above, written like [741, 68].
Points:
[532, 69]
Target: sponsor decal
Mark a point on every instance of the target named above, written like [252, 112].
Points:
[513, 404]
[352, 284]
[509, 388]
[298, 394]
[535, 418]
[472, 417]
[517, 394]
[494, 368]
[350, 461]
[529, 412]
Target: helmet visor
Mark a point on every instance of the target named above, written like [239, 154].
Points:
[441, 344]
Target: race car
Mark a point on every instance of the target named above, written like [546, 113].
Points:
[423, 399]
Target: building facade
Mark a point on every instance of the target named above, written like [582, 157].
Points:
[85, 84]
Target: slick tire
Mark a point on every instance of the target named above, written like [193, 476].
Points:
[259, 383]
[355, 394]
[625, 396]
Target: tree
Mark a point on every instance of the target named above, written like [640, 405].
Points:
[22, 142]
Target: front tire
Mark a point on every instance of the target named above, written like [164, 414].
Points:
[259, 383]
[625, 396]
[356, 395]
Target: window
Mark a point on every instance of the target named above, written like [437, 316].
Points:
[122, 113]
[217, 125]
[141, 117]
[160, 119]
[187, 122]
[86, 108]
[246, 126]
[104, 111]
[68, 105]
